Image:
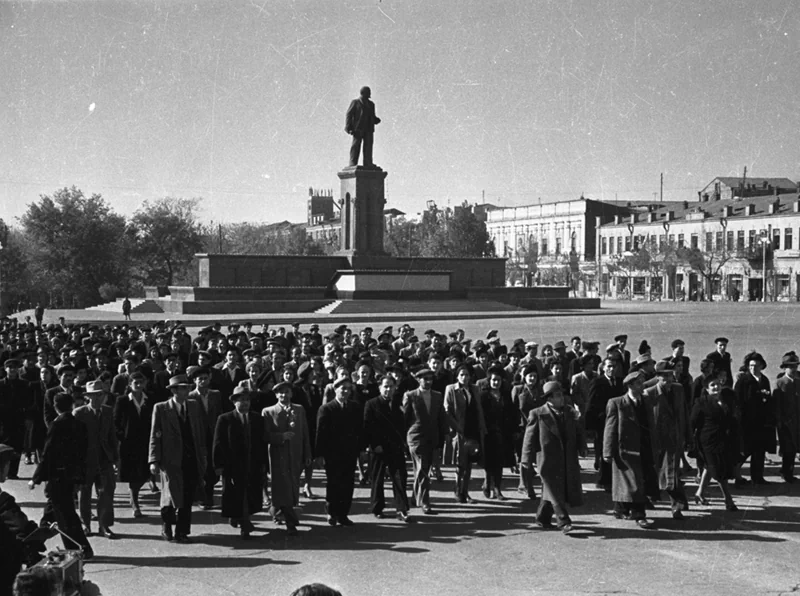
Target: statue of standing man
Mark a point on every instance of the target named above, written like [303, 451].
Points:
[360, 122]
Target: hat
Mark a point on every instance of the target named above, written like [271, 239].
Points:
[338, 382]
[388, 329]
[644, 347]
[663, 366]
[204, 353]
[559, 345]
[677, 342]
[721, 340]
[424, 372]
[314, 327]
[240, 393]
[491, 334]
[621, 337]
[367, 329]
[179, 381]
[550, 387]
[643, 359]
[789, 360]
[341, 329]
[282, 386]
[430, 332]
[631, 377]
[65, 368]
[12, 363]
[530, 345]
[612, 348]
[753, 356]
[94, 387]
[193, 371]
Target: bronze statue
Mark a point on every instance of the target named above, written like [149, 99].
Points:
[360, 122]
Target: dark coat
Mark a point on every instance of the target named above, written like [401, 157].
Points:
[102, 447]
[209, 416]
[241, 466]
[360, 117]
[600, 392]
[555, 448]
[722, 363]
[426, 428]
[716, 432]
[15, 401]
[526, 400]
[622, 443]
[287, 459]
[384, 427]
[14, 527]
[786, 397]
[133, 434]
[64, 455]
[672, 427]
[339, 432]
[222, 382]
[756, 413]
[502, 428]
[38, 429]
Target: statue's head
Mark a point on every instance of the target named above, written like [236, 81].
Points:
[365, 92]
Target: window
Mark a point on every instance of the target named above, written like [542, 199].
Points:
[619, 244]
[709, 241]
[680, 240]
[751, 238]
[671, 239]
[695, 241]
[603, 245]
[787, 239]
[627, 243]
[662, 240]
[719, 242]
[558, 244]
[740, 240]
[544, 247]
[730, 240]
[776, 238]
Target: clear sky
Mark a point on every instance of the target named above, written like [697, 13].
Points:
[242, 103]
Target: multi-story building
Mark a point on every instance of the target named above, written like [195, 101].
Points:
[551, 239]
[716, 248]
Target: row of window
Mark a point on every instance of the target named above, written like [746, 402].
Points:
[713, 241]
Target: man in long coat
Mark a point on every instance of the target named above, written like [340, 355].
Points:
[630, 445]
[289, 452]
[211, 406]
[786, 396]
[467, 428]
[339, 439]
[178, 454]
[554, 438]
[603, 388]
[15, 401]
[239, 452]
[672, 428]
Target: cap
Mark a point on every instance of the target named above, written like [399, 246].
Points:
[631, 377]
[491, 334]
[721, 340]
[193, 371]
[621, 337]
[559, 345]
[677, 342]
[424, 372]
[550, 387]
[789, 360]
[282, 387]
[240, 393]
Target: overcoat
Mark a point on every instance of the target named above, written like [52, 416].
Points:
[102, 447]
[287, 459]
[600, 392]
[242, 468]
[556, 454]
[786, 396]
[502, 428]
[756, 413]
[133, 433]
[339, 432]
[622, 440]
[672, 428]
[426, 428]
[166, 449]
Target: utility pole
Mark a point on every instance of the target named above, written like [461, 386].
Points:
[219, 237]
[662, 187]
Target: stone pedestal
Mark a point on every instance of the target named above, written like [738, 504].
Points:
[362, 201]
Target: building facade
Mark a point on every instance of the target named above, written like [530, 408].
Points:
[720, 249]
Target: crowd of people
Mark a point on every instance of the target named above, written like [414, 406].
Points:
[259, 410]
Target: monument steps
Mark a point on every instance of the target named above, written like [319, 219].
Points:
[417, 306]
[138, 305]
[328, 308]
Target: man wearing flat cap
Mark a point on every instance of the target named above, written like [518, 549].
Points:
[722, 360]
[426, 421]
[178, 454]
[630, 445]
[239, 455]
[339, 441]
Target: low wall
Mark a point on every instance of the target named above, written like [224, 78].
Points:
[236, 294]
[223, 307]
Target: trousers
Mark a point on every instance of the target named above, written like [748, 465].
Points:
[422, 457]
[60, 508]
[355, 147]
[105, 484]
[379, 463]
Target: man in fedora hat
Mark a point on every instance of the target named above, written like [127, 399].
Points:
[102, 457]
[211, 406]
[239, 457]
[426, 421]
[178, 454]
[786, 397]
[630, 445]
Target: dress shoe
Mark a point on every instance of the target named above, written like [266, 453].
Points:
[87, 553]
[741, 482]
[567, 528]
[28, 460]
[247, 525]
[731, 506]
[166, 533]
[620, 515]
[761, 481]
[233, 522]
[469, 499]
[182, 539]
[87, 530]
[499, 496]
[404, 517]
[208, 505]
[346, 521]
[137, 512]
[788, 479]
[332, 521]
[544, 524]
[700, 500]
[292, 531]
[106, 533]
[379, 515]
[461, 499]
[677, 514]
[487, 493]
[644, 523]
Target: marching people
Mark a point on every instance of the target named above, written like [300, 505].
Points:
[102, 457]
[289, 453]
[462, 404]
[555, 440]
[384, 431]
[630, 446]
[602, 389]
[502, 429]
[178, 455]
[132, 418]
[211, 406]
[239, 457]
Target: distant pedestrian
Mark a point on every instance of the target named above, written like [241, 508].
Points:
[126, 308]
[38, 313]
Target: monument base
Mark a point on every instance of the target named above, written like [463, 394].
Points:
[353, 284]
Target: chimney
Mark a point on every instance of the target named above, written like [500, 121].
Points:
[616, 219]
[796, 206]
[686, 204]
[727, 211]
[774, 207]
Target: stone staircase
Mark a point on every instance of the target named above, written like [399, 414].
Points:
[138, 305]
[341, 307]
[328, 308]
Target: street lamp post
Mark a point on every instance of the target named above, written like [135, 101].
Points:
[665, 225]
[630, 264]
[764, 240]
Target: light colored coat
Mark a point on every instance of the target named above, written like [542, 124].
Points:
[287, 459]
[166, 449]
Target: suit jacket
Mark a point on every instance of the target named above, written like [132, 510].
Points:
[210, 415]
[102, 447]
[166, 444]
[222, 381]
[464, 412]
[786, 397]
[526, 400]
[722, 362]
[64, 454]
[339, 431]
[361, 116]
[384, 427]
[600, 392]
[241, 462]
[426, 428]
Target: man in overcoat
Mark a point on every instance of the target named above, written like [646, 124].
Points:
[467, 428]
[630, 446]
[672, 427]
[289, 452]
[102, 456]
[423, 410]
[554, 438]
[15, 401]
[602, 389]
[339, 439]
[211, 406]
[722, 360]
[384, 431]
[786, 397]
[756, 412]
[238, 453]
[527, 396]
[178, 454]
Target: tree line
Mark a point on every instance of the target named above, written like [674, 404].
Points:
[69, 250]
